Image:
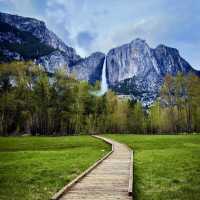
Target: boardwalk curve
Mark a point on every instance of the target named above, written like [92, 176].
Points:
[109, 178]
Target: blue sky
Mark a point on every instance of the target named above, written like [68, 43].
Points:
[99, 25]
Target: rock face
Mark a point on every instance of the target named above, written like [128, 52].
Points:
[90, 68]
[54, 61]
[23, 38]
[138, 70]
[39, 30]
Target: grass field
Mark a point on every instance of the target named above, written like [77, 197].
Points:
[165, 167]
[34, 168]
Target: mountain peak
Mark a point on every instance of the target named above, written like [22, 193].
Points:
[138, 40]
[34, 36]
[138, 70]
[164, 48]
[138, 43]
[97, 53]
[17, 20]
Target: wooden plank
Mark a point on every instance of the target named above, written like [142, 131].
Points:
[69, 185]
[130, 187]
[110, 179]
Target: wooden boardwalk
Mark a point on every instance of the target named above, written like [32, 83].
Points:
[108, 181]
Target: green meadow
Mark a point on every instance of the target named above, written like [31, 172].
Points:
[34, 168]
[165, 167]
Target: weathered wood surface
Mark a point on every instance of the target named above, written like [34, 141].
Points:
[108, 181]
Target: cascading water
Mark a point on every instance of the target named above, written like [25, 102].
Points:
[104, 84]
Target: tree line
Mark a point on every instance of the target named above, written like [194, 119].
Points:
[37, 103]
[178, 108]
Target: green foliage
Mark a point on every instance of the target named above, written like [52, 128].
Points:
[33, 102]
[35, 168]
[165, 167]
[2, 57]
[178, 108]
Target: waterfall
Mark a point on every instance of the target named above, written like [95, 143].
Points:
[104, 84]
